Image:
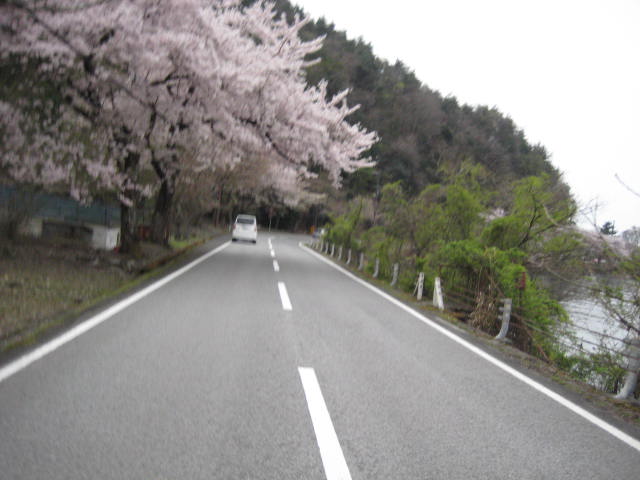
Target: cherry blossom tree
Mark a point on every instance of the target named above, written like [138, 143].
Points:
[161, 78]
[71, 41]
[259, 103]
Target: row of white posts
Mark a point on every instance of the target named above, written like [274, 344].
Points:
[633, 350]
[330, 249]
[438, 296]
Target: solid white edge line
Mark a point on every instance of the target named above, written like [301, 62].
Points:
[619, 434]
[276, 267]
[284, 297]
[333, 461]
[49, 347]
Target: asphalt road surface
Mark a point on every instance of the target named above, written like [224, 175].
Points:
[264, 362]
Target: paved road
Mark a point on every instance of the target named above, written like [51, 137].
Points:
[260, 365]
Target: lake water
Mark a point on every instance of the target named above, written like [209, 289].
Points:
[593, 327]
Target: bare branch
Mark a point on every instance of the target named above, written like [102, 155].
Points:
[626, 186]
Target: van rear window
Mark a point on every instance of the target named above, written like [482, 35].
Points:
[245, 220]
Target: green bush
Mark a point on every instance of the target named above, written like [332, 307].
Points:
[343, 227]
[601, 370]
[495, 274]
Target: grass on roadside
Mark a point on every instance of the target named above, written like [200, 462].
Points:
[44, 284]
[178, 244]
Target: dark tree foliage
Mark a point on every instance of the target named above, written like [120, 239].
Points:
[608, 228]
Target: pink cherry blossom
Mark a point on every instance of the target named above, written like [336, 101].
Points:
[154, 79]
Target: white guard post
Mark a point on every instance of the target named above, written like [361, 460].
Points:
[505, 309]
[394, 278]
[438, 299]
[420, 285]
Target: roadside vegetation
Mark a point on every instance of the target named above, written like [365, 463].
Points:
[484, 254]
[459, 192]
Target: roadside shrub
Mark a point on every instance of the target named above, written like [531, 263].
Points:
[489, 274]
[343, 228]
[601, 370]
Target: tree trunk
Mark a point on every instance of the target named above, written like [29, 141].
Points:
[219, 206]
[632, 353]
[128, 239]
[161, 220]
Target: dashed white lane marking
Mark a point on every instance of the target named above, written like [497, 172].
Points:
[284, 297]
[26, 360]
[273, 254]
[335, 466]
[607, 427]
[276, 267]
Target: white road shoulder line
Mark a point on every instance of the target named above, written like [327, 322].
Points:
[276, 266]
[26, 360]
[335, 466]
[619, 434]
[284, 297]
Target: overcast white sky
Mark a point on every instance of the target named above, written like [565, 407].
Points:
[567, 72]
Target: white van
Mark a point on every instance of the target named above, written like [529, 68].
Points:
[245, 228]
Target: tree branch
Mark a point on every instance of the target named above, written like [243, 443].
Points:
[626, 186]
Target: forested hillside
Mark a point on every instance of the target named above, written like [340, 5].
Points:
[459, 193]
[424, 137]
[456, 192]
